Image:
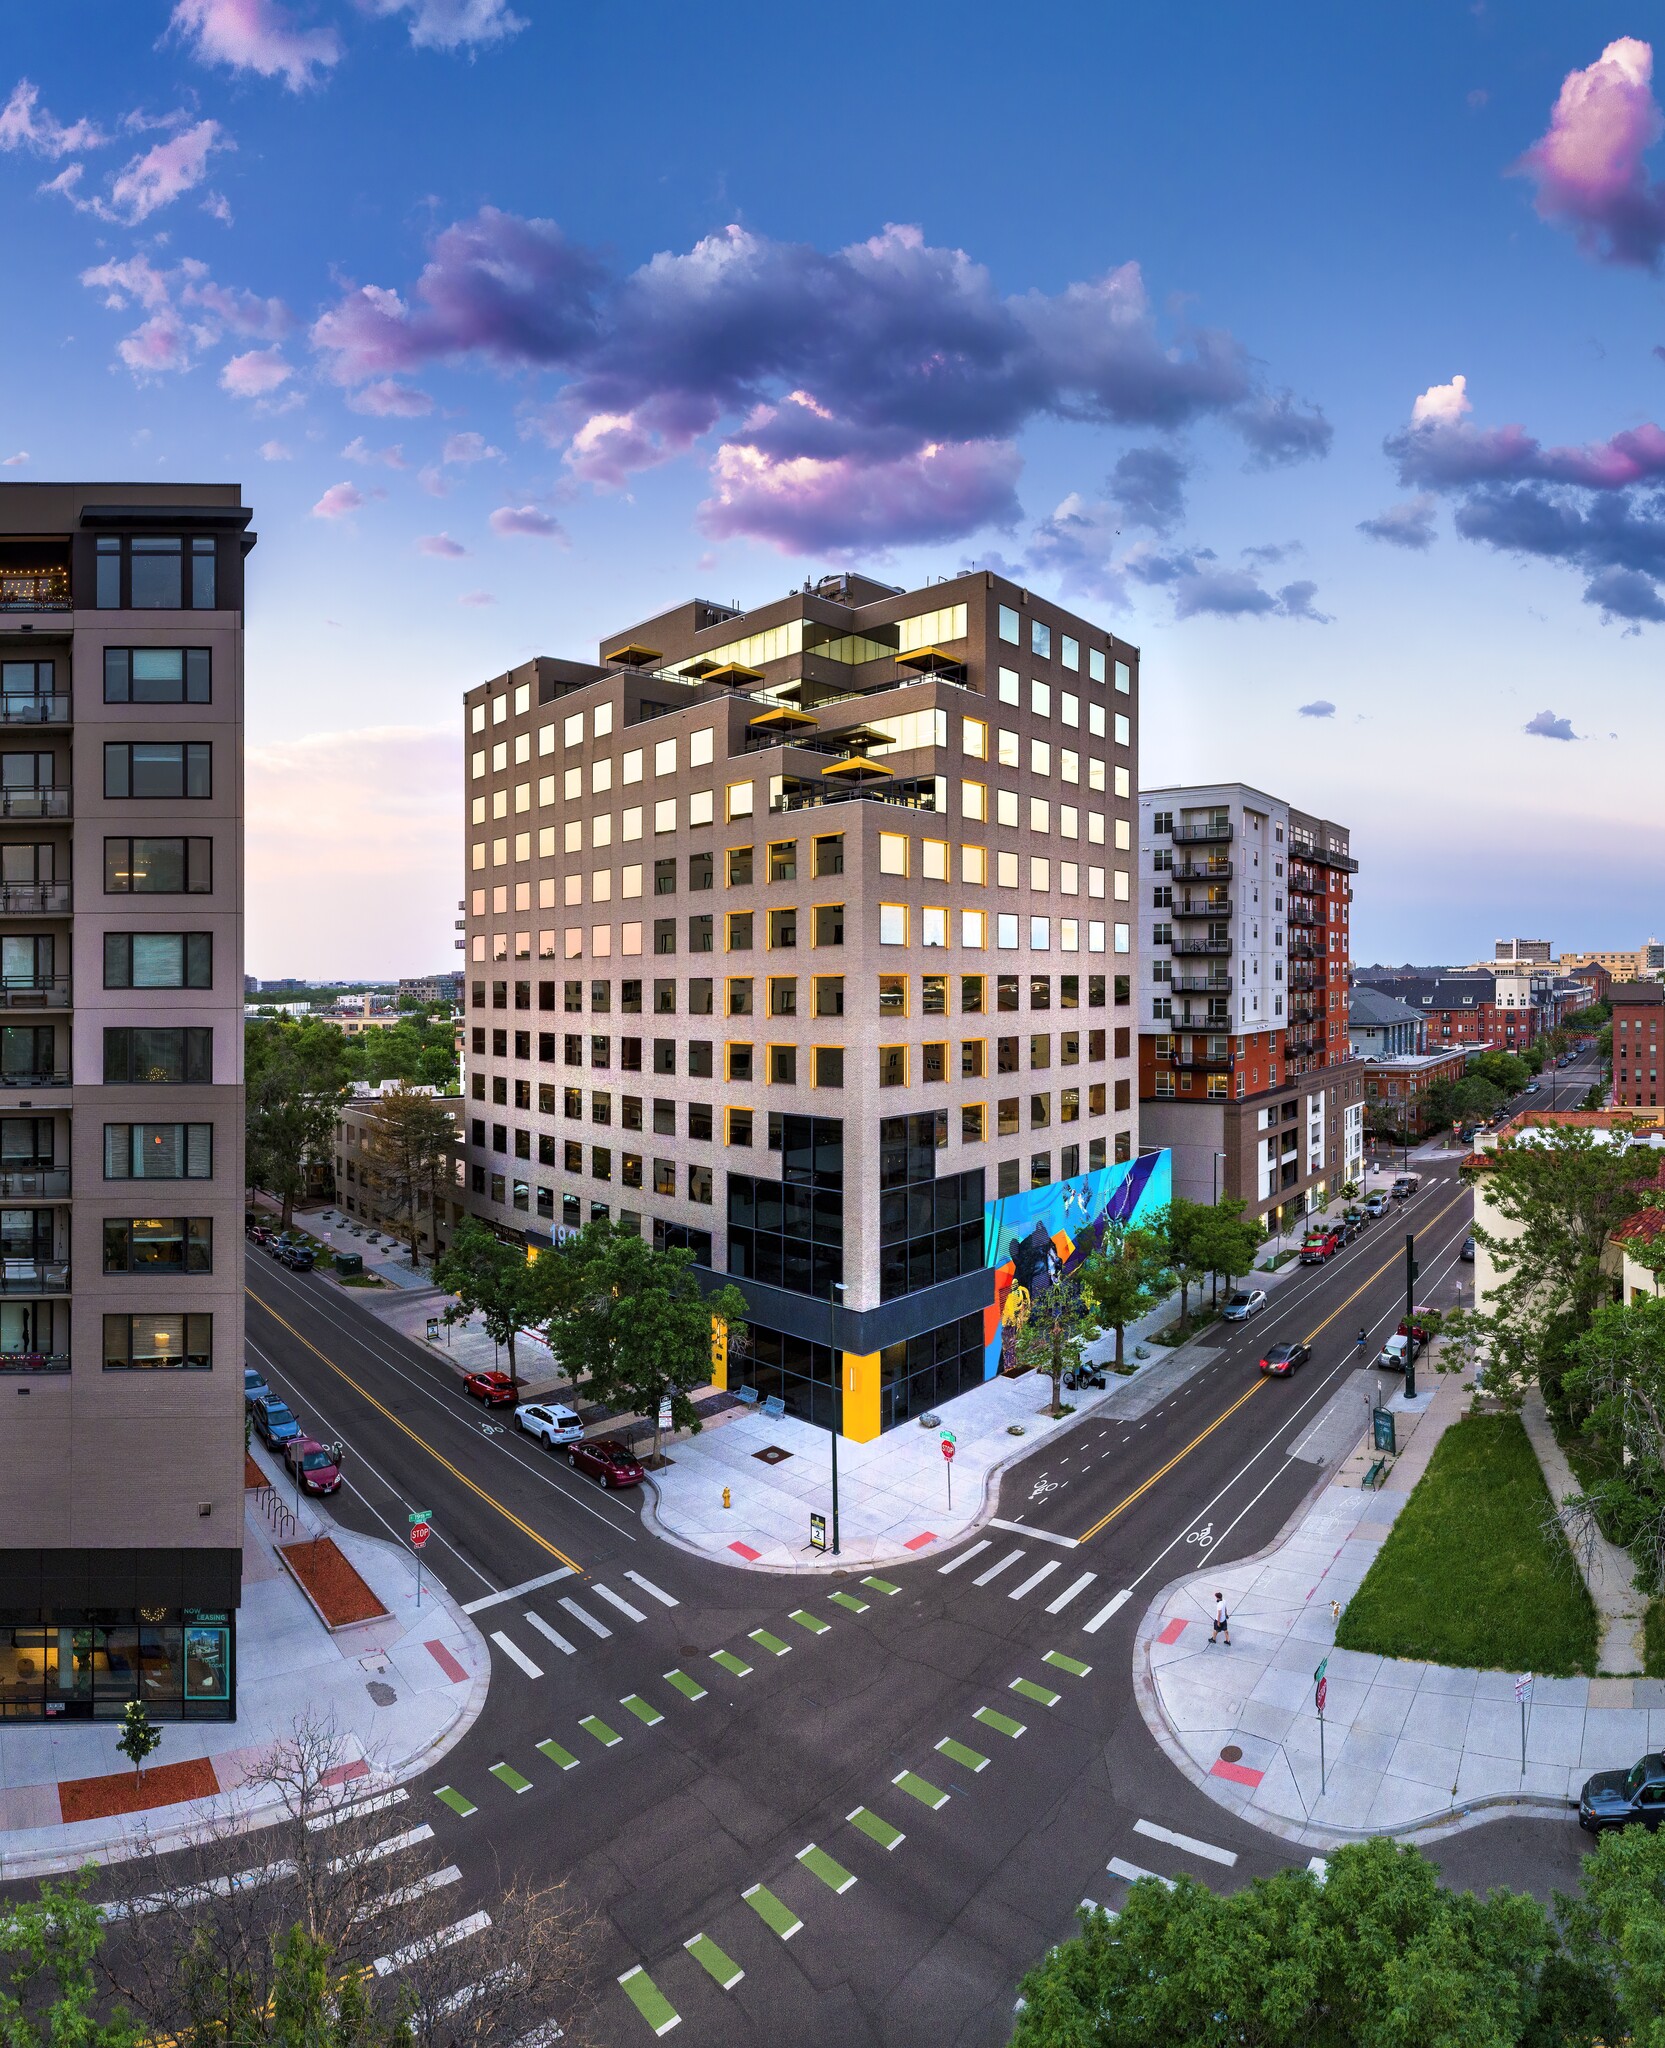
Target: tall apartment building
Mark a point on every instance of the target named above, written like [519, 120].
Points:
[1534, 952]
[1638, 1014]
[1245, 1068]
[121, 982]
[803, 937]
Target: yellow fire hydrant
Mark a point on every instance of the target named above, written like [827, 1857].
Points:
[726, 1501]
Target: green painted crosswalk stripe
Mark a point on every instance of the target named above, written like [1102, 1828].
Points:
[731, 1663]
[456, 1801]
[1073, 1665]
[765, 1641]
[881, 1585]
[1003, 1723]
[875, 1829]
[634, 1703]
[813, 1622]
[958, 1753]
[685, 1685]
[833, 1875]
[557, 1755]
[649, 2000]
[918, 1788]
[592, 1724]
[506, 1774]
[849, 1600]
[771, 1912]
[1031, 1691]
[710, 1957]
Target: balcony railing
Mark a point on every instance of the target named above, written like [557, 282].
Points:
[1201, 871]
[1201, 984]
[1303, 917]
[34, 710]
[1201, 1063]
[1201, 835]
[34, 992]
[1213, 907]
[45, 802]
[34, 899]
[1301, 949]
[34, 1361]
[34, 1276]
[1197, 946]
[22, 1079]
[43, 1183]
[907, 798]
[34, 590]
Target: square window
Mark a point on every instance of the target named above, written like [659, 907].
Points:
[1009, 625]
[893, 924]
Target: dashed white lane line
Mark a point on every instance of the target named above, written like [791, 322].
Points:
[964, 1557]
[516, 1655]
[1068, 1594]
[1034, 1579]
[1091, 1628]
[995, 1570]
[1189, 1843]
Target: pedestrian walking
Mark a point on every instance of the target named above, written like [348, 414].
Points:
[1222, 1621]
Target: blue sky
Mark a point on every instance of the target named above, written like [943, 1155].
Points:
[517, 323]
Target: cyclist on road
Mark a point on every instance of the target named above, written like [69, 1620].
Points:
[1364, 1340]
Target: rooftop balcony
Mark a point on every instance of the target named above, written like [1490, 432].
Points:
[1201, 835]
[23, 1362]
[34, 1078]
[43, 589]
[35, 710]
[35, 899]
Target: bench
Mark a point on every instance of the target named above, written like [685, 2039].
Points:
[1376, 1474]
[746, 1395]
[774, 1407]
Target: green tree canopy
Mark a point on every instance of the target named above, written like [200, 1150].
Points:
[1615, 1381]
[1475, 1099]
[1184, 1228]
[1124, 1278]
[1058, 1325]
[49, 1948]
[410, 1140]
[1226, 1239]
[295, 1078]
[496, 1282]
[1505, 1070]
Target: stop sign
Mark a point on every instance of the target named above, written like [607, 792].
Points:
[948, 1449]
[1323, 1693]
[418, 1534]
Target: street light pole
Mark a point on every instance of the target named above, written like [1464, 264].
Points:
[838, 1396]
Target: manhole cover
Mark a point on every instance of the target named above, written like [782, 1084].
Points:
[1231, 1754]
[687, 1649]
[772, 1454]
[382, 1693]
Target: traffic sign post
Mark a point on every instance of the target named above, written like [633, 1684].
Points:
[421, 1529]
[1320, 1692]
[948, 1464]
[1523, 1693]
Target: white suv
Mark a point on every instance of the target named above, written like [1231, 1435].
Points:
[549, 1422]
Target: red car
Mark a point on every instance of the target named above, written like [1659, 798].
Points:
[316, 1465]
[607, 1459]
[496, 1389]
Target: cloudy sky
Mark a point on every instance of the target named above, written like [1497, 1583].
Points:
[1319, 351]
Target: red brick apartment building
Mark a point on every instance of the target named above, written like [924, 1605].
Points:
[1638, 1012]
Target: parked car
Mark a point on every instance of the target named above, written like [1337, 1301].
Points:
[299, 1258]
[1321, 1246]
[1283, 1359]
[607, 1459]
[549, 1422]
[1613, 1799]
[1467, 1252]
[494, 1388]
[254, 1383]
[1359, 1219]
[273, 1423]
[316, 1465]
[1531, 1088]
[1246, 1302]
[1392, 1355]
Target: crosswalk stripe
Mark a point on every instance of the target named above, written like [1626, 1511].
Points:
[378, 1802]
[624, 1606]
[1034, 1579]
[1320, 1868]
[964, 1557]
[514, 1592]
[1079, 1585]
[596, 1628]
[1110, 1607]
[1132, 1872]
[552, 1635]
[408, 1894]
[1189, 1843]
[431, 1944]
[649, 2000]
[516, 1655]
[654, 1592]
[1040, 1535]
[995, 1570]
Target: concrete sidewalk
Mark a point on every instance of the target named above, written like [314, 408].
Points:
[400, 1692]
[1408, 1748]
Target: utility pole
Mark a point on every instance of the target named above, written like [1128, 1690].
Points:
[1410, 1315]
[838, 1397]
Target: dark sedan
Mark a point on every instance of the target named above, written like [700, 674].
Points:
[608, 1459]
[1614, 1799]
[1282, 1359]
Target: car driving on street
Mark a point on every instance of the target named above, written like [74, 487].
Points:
[1246, 1302]
[1283, 1359]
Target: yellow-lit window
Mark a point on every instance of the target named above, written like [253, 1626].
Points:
[974, 865]
[974, 738]
[974, 801]
[893, 853]
[893, 924]
[1040, 872]
[1006, 870]
[974, 928]
[933, 859]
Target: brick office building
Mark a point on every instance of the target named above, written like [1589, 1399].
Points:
[803, 938]
[1245, 1068]
[1638, 1013]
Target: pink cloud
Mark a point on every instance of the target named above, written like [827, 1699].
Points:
[476, 597]
[134, 278]
[258, 36]
[155, 179]
[25, 124]
[276, 451]
[452, 24]
[162, 343]
[342, 499]
[16, 461]
[526, 519]
[389, 399]
[1441, 448]
[803, 505]
[434, 481]
[1587, 167]
[391, 457]
[241, 311]
[256, 373]
[467, 448]
[440, 544]
[611, 447]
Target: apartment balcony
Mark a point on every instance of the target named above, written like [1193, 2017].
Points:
[1209, 907]
[1300, 1046]
[34, 1276]
[33, 802]
[1303, 917]
[34, 992]
[1201, 1063]
[1201, 984]
[1201, 871]
[34, 1183]
[35, 899]
[1187, 947]
[1201, 835]
[36, 1078]
[25, 1362]
[1303, 949]
[1305, 977]
[34, 590]
[35, 710]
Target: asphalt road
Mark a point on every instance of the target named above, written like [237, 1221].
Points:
[830, 1690]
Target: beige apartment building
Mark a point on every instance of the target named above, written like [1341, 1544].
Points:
[803, 937]
[121, 984]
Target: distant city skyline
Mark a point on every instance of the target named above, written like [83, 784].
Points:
[1365, 462]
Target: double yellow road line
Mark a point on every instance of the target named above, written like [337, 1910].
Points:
[416, 1438]
[1202, 1435]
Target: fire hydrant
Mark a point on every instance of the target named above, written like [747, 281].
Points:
[726, 1501]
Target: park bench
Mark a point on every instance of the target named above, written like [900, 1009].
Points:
[1376, 1474]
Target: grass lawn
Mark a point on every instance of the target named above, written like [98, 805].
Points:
[1467, 1575]
[1653, 1638]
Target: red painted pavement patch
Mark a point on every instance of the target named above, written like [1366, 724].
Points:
[344, 1774]
[746, 1551]
[1239, 1774]
[919, 1542]
[446, 1662]
[1175, 1629]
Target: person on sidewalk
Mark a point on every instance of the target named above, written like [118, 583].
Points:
[1222, 1621]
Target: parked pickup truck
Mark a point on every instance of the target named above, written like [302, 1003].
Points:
[1406, 1186]
[1319, 1247]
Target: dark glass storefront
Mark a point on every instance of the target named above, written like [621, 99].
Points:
[88, 1664]
[799, 1373]
[922, 1372]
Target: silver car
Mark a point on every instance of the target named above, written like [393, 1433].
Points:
[1244, 1303]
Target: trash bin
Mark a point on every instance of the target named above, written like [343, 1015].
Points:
[349, 1262]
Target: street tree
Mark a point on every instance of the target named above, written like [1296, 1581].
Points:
[1124, 1278]
[49, 1953]
[411, 1135]
[1475, 1099]
[1226, 1241]
[1615, 1381]
[295, 1078]
[1505, 1070]
[635, 1322]
[496, 1282]
[140, 1737]
[1184, 1228]
[1052, 1337]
